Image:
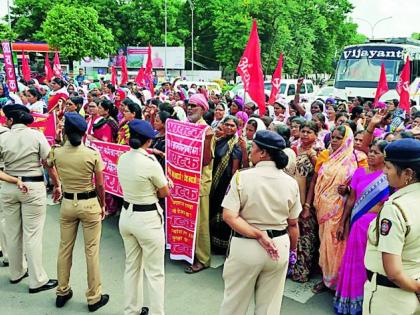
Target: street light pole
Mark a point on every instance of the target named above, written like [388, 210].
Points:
[372, 27]
[192, 35]
[9, 20]
[166, 36]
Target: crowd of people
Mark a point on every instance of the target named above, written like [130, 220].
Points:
[343, 164]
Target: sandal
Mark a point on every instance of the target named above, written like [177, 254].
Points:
[319, 287]
[196, 267]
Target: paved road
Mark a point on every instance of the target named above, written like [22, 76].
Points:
[199, 294]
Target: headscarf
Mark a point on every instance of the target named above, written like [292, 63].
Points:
[239, 101]
[122, 96]
[260, 124]
[380, 105]
[199, 100]
[243, 116]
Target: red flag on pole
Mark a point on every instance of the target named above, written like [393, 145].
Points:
[140, 78]
[124, 71]
[26, 71]
[250, 70]
[57, 66]
[403, 87]
[47, 68]
[113, 76]
[148, 73]
[275, 80]
[382, 86]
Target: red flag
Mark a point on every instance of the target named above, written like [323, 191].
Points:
[124, 71]
[140, 78]
[382, 85]
[403, 87]
[275, 80]
[250, 70]
[113, 76]
[148, 73]
[57, 66]
[47, 68]
[26, 71]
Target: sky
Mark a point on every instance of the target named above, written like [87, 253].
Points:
[405, 17]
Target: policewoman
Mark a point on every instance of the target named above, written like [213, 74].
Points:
[262, 207]
[392, 255]
[141, 222]
[24, 150]
[83, 202]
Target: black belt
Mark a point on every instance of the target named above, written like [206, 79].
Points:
[381, 280]
[271, 233]
[80, 196]
[141, 208]
[33, 179]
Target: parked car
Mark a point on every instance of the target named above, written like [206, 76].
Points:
[210, 86]
[324, 93]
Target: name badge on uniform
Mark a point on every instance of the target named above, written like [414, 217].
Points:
[385, 227]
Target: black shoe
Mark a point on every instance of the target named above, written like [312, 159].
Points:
[144, 311]
[102, 302]
[51, 284]
[20, 279]
[61, 300]
[1, 253]
[5, 263]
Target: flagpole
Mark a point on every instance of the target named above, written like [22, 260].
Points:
[166, 36]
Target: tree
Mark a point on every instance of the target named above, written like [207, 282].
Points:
[415, 36]
[6, 33]
[76, 32]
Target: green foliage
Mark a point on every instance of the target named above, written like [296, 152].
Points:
[6, 33]
[76, 32]
[415, 36]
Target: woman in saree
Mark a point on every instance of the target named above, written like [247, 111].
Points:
[306, 156]
[369, 190]
[229, 151]
[131, 111]
[334, 167]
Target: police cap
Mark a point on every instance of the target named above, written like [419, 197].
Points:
[7, 109]
[143, 128]
[76, 121]
[403, 151]
[269, 140]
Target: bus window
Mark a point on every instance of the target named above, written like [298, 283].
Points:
[291, 90]
[303, 89]
[309, 87]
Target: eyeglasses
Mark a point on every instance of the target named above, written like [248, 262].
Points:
[191, 106]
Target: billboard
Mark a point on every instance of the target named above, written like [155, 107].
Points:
[175, 57]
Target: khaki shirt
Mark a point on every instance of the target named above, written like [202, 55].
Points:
[23, 149]
[3, 130]
[140, 176]
[207, 171]
[264, 196]
[76, 166]
[397, 235]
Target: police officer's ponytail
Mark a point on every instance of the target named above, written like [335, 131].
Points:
[20, 117]
[278, 157]
[74, 135]
[136, 140]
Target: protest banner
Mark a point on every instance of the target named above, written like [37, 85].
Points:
[110, 153]
[9, 67]
[44, 123]
[184, 155]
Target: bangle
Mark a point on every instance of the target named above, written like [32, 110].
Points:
[369, 131]
[306, 205]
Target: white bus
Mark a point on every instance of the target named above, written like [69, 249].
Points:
[359, 67]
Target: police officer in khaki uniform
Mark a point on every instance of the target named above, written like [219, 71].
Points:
[23, 151]
[392, 255]
[83, 203]
[262, 207]
[197, 107]
[3, 249]
[141, 223]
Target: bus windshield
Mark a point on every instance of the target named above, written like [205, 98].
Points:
[367, 69]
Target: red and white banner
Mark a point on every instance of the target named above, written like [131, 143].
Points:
[57, 66]
[403, 87]
[184, 156]
[382, 87]
[110, 153]
[9, 67]
[44, 123]
[275, 80]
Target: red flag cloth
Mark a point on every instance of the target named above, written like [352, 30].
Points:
[57, 66]
[148, 73]
[26, 71]
[250, 70]
[140, 78]
[113, 76]
[275, 80]
[124, 71]
[47, 68]
[382, 86]
[403, 87]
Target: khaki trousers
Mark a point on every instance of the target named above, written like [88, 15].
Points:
[88, 212]
[249, 270]
[3, 245]
[380, 300]
[144, 243]
[25, 215]
[202, 238]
